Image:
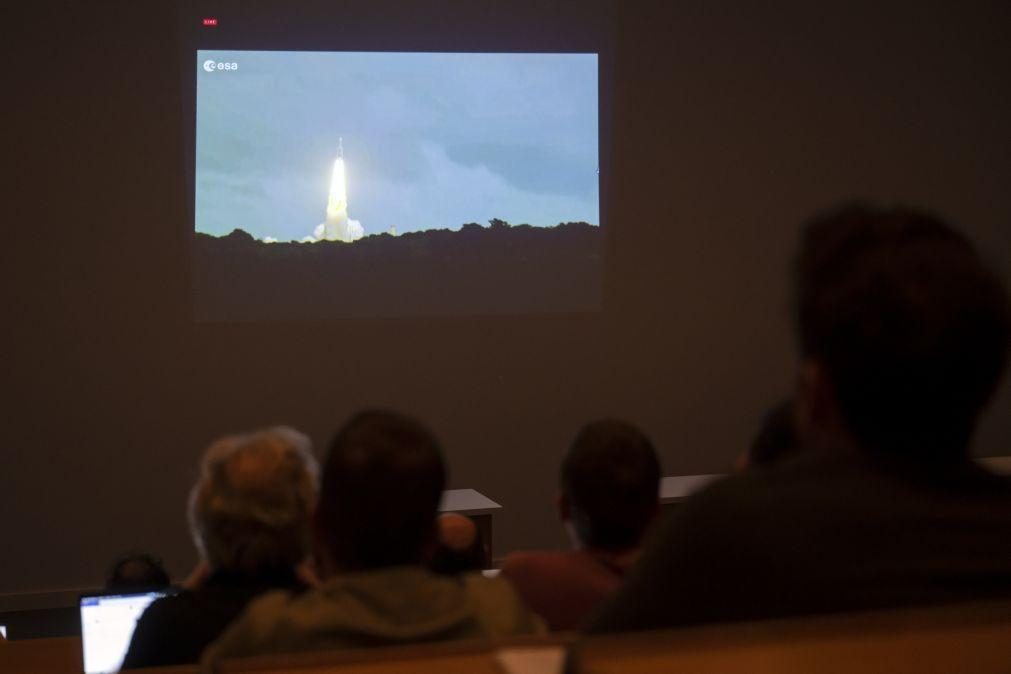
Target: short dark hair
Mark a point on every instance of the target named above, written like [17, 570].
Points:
[611, 477]
[910, 327]
[381, 487]
[777, 438]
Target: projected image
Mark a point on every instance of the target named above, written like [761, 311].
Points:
[410, 183]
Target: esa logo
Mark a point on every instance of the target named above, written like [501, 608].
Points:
[210, 65]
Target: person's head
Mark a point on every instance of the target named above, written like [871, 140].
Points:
[610, 482]
[903, 332]
[250, 510]
[137, 571]
[382, 482]
[776, 439]
[459, 546]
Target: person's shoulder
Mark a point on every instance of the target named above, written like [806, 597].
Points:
[172, 607]
[748, 490]
[479, 584]
[798, 477]
[254, 630]
[168, 630]
[264, 611]
[547, 564]
[525, 561]
[499, 606]
[741, 507]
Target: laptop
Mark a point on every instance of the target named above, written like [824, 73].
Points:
[107, 622]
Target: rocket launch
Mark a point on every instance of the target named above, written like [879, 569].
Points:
[337, 206]
[337, 226]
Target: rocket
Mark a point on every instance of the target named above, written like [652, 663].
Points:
[337, 206]
[337, 227]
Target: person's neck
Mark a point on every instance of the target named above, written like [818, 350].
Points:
[607, 553]
[349, 568]
[616, 559]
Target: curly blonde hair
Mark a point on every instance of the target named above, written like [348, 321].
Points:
[250, 509]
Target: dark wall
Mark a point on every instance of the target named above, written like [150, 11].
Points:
[733, 121]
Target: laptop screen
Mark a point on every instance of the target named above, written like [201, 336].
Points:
[107, 623]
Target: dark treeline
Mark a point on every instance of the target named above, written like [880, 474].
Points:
[476, 270]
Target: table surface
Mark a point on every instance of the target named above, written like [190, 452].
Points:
[468, 502]
[679, 487]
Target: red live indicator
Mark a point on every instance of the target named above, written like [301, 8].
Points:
[210, 21]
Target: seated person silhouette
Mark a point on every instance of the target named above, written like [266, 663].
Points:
[609, 494]
[903, 337]
[250, 514]
[382, 483]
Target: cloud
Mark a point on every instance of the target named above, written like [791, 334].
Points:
[452, 193]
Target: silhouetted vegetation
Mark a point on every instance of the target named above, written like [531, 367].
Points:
[502, 268]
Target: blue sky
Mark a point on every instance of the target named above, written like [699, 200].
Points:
[430, 140]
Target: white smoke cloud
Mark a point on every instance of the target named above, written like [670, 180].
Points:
[355, 230]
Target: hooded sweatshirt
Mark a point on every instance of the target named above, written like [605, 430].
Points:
[395, 605]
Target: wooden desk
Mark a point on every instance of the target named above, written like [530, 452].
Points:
[59, 655]
[474, 505]
[477, 656]
[934, 640]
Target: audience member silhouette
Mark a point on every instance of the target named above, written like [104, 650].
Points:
[137, 572]
[903, 338]
[609, 494]
[250, 515]
[382, 483]
[459, 548]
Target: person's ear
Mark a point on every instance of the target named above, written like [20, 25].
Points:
[805, 396]
[816, 413]
[742, 462]
[198, 576]
[564, 506]
[307, 571]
